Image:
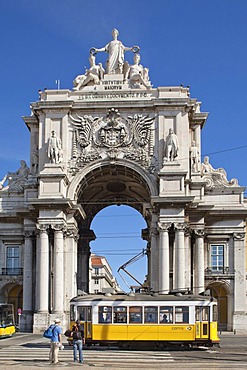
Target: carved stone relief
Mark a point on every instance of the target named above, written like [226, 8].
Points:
[112, 137]
[215, 177]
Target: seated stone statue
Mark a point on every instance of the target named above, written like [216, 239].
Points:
[2, 182]
[137, 74]
[215, 177]
[19, 177]
[93, 75]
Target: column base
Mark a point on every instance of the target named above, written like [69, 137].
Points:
[41, 321]
[26, 322]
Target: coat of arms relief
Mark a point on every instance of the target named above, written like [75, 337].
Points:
[112, 137]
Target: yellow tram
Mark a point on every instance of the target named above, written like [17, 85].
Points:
[7, 322]
[156, 320]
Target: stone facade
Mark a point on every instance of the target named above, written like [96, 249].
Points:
[115, 139]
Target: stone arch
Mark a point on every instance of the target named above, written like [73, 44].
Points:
[13, 293]
[221, 291]
[120, 181]
[101, 184]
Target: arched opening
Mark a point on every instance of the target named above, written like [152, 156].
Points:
[13, 293]
[119, 239]
[219, 291]
[98, 187]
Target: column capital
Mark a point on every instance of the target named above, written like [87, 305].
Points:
[199, 233]
[181, 226]
[59, 227]
[238, 236]
[70, 233]
[164, 226]
[29, 234]
[42, 227]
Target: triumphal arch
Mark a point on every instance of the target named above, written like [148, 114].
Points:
[114, 138]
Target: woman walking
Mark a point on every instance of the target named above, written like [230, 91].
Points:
[77, 335]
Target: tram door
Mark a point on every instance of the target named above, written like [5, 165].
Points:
[202, 322]
[88, 323]
[85, 315]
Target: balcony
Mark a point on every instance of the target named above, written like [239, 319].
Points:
[12, 271]
[217, 271]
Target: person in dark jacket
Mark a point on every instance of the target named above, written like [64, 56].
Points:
[77, 335]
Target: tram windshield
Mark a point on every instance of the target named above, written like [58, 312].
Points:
[6, 315]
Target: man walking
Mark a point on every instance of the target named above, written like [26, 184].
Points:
[55, 342]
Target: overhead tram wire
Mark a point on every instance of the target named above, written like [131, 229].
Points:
[158, 162]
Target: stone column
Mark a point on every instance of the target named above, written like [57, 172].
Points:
[43, 267]
[164, 265]
[146, 236]
[154, 260]
[58, 269]
[239, 276]
[83, 259]
[187, 249]
[70, 264]
[179, 265]
[28, 272]
[199, 279]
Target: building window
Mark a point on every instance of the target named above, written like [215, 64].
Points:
[217, 258]
[96, 281]
[96, 291]
[13, 257]
[96, 270]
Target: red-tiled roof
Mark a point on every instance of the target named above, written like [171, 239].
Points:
[96, 261]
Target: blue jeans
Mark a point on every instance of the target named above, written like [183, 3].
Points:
[77, 344]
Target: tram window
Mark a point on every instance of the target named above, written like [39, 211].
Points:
[89, 313]
[151, 314]
[215, 313]
[81, 313]
[205, 312]
[198, 310]
[182, 314]
[72, 312]
[166, 315]
[135, 315]
[120, 314]
[6, 316]
[105, 314]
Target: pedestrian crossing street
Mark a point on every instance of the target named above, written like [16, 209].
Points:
[38, 353]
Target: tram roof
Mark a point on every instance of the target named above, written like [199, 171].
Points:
[141, 297]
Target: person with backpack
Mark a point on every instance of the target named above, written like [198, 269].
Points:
[55, 342]
[77, 335]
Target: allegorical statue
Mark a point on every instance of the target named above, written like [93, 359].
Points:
[194, 158]
[54, 148]
[115, 50]
[171, 146]
[137, 74]
[92, 76]
[18, 178]
[215, 177]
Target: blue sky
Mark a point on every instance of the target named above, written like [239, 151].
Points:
[195, 42]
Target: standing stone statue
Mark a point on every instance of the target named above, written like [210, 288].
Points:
[54, 148]
[115, 50]
[194, 158]
[35, 160]
[171, 148]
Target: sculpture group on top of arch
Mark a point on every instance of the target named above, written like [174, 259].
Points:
[135, 75]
